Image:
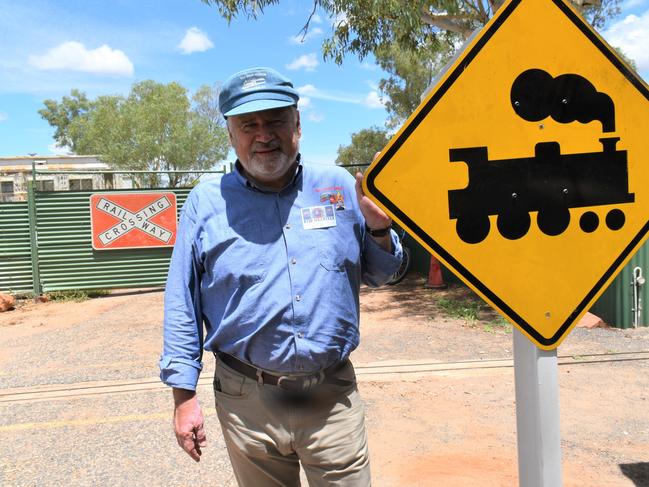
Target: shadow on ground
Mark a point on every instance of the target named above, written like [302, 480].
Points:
[638, 473]
[412, 299]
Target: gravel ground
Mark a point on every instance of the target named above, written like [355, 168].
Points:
[444, 428]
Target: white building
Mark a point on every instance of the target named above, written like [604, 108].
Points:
[17, 170]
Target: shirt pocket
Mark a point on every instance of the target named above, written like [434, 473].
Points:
[338, 246]
[238, 254]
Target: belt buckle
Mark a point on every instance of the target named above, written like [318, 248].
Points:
[301, 383]
[284, 381]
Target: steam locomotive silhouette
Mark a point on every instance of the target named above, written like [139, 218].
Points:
[549, 182]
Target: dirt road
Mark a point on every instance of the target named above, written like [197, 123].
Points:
[80, 403]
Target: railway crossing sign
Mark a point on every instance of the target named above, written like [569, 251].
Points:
[133, 220]
[525, 170]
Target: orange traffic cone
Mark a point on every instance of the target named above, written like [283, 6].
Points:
[435, 279]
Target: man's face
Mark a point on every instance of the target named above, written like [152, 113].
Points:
[267, 144]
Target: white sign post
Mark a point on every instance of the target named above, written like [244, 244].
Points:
[537, 414]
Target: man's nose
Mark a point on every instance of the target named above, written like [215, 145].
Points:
[264, 134]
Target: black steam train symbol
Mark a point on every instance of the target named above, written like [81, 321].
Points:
[549, 182]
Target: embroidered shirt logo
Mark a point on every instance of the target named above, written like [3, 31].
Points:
[332, 195]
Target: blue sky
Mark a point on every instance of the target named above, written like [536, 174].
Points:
[103, 47]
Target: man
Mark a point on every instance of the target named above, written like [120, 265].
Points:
[271, 269]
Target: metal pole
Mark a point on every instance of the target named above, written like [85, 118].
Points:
[537, 414]
[33, 239]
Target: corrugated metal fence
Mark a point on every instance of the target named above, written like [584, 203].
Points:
[66, 259]
[15, 248]
[46, 245]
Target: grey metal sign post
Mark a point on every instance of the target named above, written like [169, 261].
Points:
[537, 414]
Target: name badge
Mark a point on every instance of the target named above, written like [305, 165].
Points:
[318, 217]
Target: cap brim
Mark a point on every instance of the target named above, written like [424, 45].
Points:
[258, 106]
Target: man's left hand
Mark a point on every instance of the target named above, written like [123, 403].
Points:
[375, 217]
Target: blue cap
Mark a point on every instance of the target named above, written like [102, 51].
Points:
[256, 89]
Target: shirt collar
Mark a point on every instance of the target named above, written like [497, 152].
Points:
[257, 187]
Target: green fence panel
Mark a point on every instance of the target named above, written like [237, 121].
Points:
[616, 305]
[68, 261]
[15, 248]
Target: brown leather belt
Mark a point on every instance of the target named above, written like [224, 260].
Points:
[293, 383]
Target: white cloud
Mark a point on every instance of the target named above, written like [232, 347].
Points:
[316, 19]
[195, 40]
[308, 62]
[632, 4]
[304, 102]
[368, 66]
[315, 117]
[58, 150]
[306, 89]
[339, 20]
[373, 100]
[314, 92]
[3, 117]
[631, 34]
[306, 107]
[374, 86]
[74, 56]
[304, 38]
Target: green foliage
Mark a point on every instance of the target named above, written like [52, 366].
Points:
[498, 325]
[76, 294]
[466, 309]
[362, 27]
[229, 9]
[155, 128]
[411, 40]
[365, 144]
[411, 72]
[61, 114]
[630, 62]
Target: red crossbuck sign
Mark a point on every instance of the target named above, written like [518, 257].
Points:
[130, 220]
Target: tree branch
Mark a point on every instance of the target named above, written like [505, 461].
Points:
[495, 5]
[453, 23]
[305, 29]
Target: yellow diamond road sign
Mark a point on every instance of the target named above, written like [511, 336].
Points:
[526, 168]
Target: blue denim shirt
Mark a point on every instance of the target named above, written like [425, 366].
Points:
[247, 278]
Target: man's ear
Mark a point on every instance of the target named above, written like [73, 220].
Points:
[298, 126]
[227, 126]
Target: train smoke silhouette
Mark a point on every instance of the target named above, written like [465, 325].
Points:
[536, 95]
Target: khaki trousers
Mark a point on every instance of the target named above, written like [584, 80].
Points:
[269, 433]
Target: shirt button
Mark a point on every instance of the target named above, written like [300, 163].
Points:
[288, 226]
[293, 261]
[300, 334]
[298, 298]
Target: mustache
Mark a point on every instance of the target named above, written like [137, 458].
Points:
[265, 146]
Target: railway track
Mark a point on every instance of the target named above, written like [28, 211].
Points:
[387, 371]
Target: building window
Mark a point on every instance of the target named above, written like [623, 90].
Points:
[81, 184]
[44, 185]
[6, 190]
[6, 187]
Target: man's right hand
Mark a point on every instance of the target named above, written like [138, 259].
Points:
[188, 423]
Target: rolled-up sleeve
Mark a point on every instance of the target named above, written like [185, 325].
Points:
[377, 264]
[180, 363]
